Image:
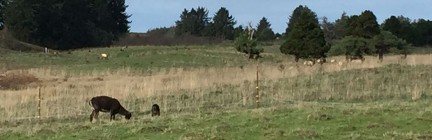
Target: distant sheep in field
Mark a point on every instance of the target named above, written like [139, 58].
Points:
[107, 104]
[155, 111]
[103, 56]
[340, 63]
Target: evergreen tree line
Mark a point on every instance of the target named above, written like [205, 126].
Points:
[65, 24]
[353, 36]
[197, 22]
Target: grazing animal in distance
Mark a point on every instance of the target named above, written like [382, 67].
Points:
[332, 61]
[321, 61]
[309, 63]
[155, 111]
[107, 104]
[123, 48]
[103, 56]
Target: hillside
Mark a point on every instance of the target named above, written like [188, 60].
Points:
[8, 43]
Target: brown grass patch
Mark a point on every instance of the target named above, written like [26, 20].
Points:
[179, 89]
[16, 80]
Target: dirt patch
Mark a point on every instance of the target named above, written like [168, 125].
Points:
[16, 80]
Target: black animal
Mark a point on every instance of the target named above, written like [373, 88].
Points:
[155, 111]
[107, 104]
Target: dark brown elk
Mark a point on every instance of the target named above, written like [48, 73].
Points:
[155, 111]
[107, 104]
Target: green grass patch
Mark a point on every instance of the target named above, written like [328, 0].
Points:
[139, 58]
[302, 120]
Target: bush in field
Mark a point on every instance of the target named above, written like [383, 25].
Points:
[245, 45]
[386, 42]
[352, 46]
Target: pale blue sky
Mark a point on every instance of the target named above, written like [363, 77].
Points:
[149, 14]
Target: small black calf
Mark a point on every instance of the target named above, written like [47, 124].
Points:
[155, 111]
[107, 104]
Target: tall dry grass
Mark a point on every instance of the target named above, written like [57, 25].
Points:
[204, 89]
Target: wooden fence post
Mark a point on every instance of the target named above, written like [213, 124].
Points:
[39, 102]
[257, 96]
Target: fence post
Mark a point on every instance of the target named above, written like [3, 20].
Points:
[39, 103]
[257, 96]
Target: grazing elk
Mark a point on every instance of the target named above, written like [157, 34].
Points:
[123, 48]
[155, 111]
[332, 61]
[103, 56]
[321, 61]
[309, 63]
[107, 104]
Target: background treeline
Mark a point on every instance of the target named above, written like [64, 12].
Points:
[63, 24]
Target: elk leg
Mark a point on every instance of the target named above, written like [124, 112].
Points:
[96, 115]
[91, 116]
[112, 116]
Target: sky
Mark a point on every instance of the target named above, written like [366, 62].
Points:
[150, 14]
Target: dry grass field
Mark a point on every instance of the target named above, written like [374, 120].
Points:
[216, 91]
